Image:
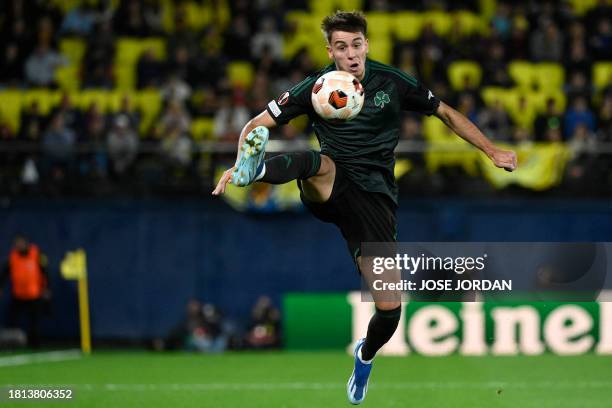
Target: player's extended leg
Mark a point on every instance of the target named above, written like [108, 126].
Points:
[316, 171]
[380, 330]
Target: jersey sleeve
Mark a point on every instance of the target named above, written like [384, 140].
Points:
[415, 97]
[292, 103]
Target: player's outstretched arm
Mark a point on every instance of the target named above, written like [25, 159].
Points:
[467, 130]
[263, 119]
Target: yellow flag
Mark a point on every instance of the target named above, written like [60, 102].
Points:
[540, 166]
[74, 265]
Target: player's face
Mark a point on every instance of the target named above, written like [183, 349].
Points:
[348, 51]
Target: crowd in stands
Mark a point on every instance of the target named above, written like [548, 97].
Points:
[64, 144]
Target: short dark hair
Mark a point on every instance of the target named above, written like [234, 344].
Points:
[349, 21]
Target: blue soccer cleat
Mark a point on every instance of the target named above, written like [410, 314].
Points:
[357, 385]
[251, 161]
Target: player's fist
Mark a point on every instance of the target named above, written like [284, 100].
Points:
[505, 159]
[225, 178]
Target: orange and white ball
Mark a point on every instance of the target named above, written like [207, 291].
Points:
[337, 95]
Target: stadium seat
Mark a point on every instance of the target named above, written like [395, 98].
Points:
[602, 75]
[522, 73]
[491, 94]
[407, 25]
[458, 70]
[73, 49]
[549, 76]
[202, 128]
[521, 107]
[539, 99]
[580, 7]
[379, 25]
[68, 77]
[90, 96]
[381, 49]
[149, 102]
[447, 149]
[440, 20]
[10, 109]
[240, 74]
[46, 99]
[470, 23]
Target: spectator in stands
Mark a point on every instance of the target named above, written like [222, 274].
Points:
[26, 269]
[177, 150]
[577, 85]
[546, 42]
[122, 142]
[600, 42]
[183, 66]
[267, 37]
[11, 71]
[153, 16]
[604, 119]
[577, 59]
[467, 105]
[126, 109]
[230, 118]
[99, 56]
[578, 113]
[59, 148]
[501, 20]
[174, 117]
[71, 115]
[79, 21]
[235, 38]
[32, 123]
[496, 122]
[129, 19]
[182, 35]
[176, 88]
[264, 331]
[494, 68]
[550, 118]
[41, 66]
[517, 45]
[150, 70]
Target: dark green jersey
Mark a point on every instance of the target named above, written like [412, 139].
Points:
[362, 147]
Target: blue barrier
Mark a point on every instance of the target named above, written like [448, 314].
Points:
[147, 258]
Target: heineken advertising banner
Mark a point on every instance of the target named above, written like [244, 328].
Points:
[508, 327]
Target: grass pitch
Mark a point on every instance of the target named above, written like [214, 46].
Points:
[317, 379]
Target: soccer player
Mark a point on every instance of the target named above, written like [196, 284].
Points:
[350, 181]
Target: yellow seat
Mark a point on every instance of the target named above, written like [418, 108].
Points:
[10, 109]
[379, 24]
[602, 75]
[407, 25]
[446, 149]
[470, 23]
[46, 99]
[521, 107]
[149, 102]
[580, 7]
[540, 99]
[240, 74]
[440, 20]
[381, 49]
[68, 77]
[91, 96]
[73, 49]
[491, 94]
[523, 73]
[458, 70]
[202, 128]
[549, 76]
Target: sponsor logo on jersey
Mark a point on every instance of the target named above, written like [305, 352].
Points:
[274, 109]
[381, 99]
[430, 95]
[283, 99]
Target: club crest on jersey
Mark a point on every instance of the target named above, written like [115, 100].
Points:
[381, 99]
[283, 99]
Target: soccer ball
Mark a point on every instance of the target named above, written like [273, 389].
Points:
[337, 95]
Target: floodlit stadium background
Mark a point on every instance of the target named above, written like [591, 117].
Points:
[116, 118]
